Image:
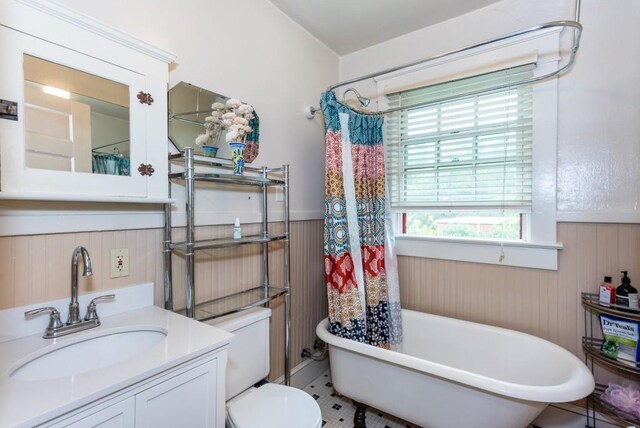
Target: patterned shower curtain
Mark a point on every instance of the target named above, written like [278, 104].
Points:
[360, 264]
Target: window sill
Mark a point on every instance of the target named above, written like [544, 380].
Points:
[520, 254]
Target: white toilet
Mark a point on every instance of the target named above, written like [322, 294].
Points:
[270, 405]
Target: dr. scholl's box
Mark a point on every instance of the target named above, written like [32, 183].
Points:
[621, 338]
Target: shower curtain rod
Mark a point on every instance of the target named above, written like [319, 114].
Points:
[576, 26]
[111, 144]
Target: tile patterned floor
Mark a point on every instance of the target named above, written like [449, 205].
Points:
[338, 411]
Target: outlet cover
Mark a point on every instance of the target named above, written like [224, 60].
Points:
[119, 262]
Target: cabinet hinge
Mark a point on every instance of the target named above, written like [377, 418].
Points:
[8, 110]
[146, 169]
[145, 98]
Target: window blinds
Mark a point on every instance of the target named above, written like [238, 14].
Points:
[465, 152]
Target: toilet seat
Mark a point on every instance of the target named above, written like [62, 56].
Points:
[274, 406]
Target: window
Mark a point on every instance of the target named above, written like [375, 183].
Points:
[462, 167]
[475, 200]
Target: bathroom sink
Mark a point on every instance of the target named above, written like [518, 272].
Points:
[86, 353]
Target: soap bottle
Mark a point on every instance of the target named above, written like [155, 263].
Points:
[607, 292]
[237, 230]
[626, 295]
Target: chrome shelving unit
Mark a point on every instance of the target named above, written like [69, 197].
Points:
[263, 178]
[593, 355]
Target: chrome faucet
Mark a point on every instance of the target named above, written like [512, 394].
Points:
[74, 307]
[74, 322]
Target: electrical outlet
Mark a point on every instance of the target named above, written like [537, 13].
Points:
[119, 262]
[279, 194]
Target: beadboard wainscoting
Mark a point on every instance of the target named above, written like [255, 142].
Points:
[544, 303]
[539, 302]
[37, 268]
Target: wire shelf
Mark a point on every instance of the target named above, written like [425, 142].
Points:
[230, 179]
[592, 347]
[253, 176]
[591, 302]
[235, 302]
[227, 242]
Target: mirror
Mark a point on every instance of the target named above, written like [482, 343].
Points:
[74, 121]
[189, 105]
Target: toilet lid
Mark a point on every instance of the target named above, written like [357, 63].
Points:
[275, 406]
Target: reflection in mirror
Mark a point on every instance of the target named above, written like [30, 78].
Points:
[188, 107]
[74, 121]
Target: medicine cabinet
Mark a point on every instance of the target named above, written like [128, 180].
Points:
[83, 108]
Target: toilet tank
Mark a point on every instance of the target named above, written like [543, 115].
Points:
[248, 355]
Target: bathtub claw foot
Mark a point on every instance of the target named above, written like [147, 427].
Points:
[360, 415]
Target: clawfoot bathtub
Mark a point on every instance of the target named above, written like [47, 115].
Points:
[454, 373]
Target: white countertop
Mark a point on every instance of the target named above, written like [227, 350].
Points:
[26, 403]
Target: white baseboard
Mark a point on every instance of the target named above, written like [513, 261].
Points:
[569, 416]
[305, 372]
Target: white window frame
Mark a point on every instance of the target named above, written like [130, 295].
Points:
[540, 251]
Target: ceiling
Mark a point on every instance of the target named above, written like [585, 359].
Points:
[348, 26]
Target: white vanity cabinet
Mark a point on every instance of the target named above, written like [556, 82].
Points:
[192, 396]
[119, 415]
[46, 151]
[187, 400]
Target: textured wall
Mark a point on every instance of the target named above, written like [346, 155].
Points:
[598, 179]
[248, 50]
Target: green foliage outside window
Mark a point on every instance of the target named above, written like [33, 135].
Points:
[465, 224]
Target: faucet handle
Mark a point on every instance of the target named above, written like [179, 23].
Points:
[54, 318]
[91, 309]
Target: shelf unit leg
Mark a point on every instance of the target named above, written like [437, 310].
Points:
[168, 269]
[168, 274]
[287, 279]
[190, 238]
[591, 415]
[265, 233]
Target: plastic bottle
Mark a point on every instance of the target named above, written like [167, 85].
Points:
[626, 295]
[607, 292]
[237, 232]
